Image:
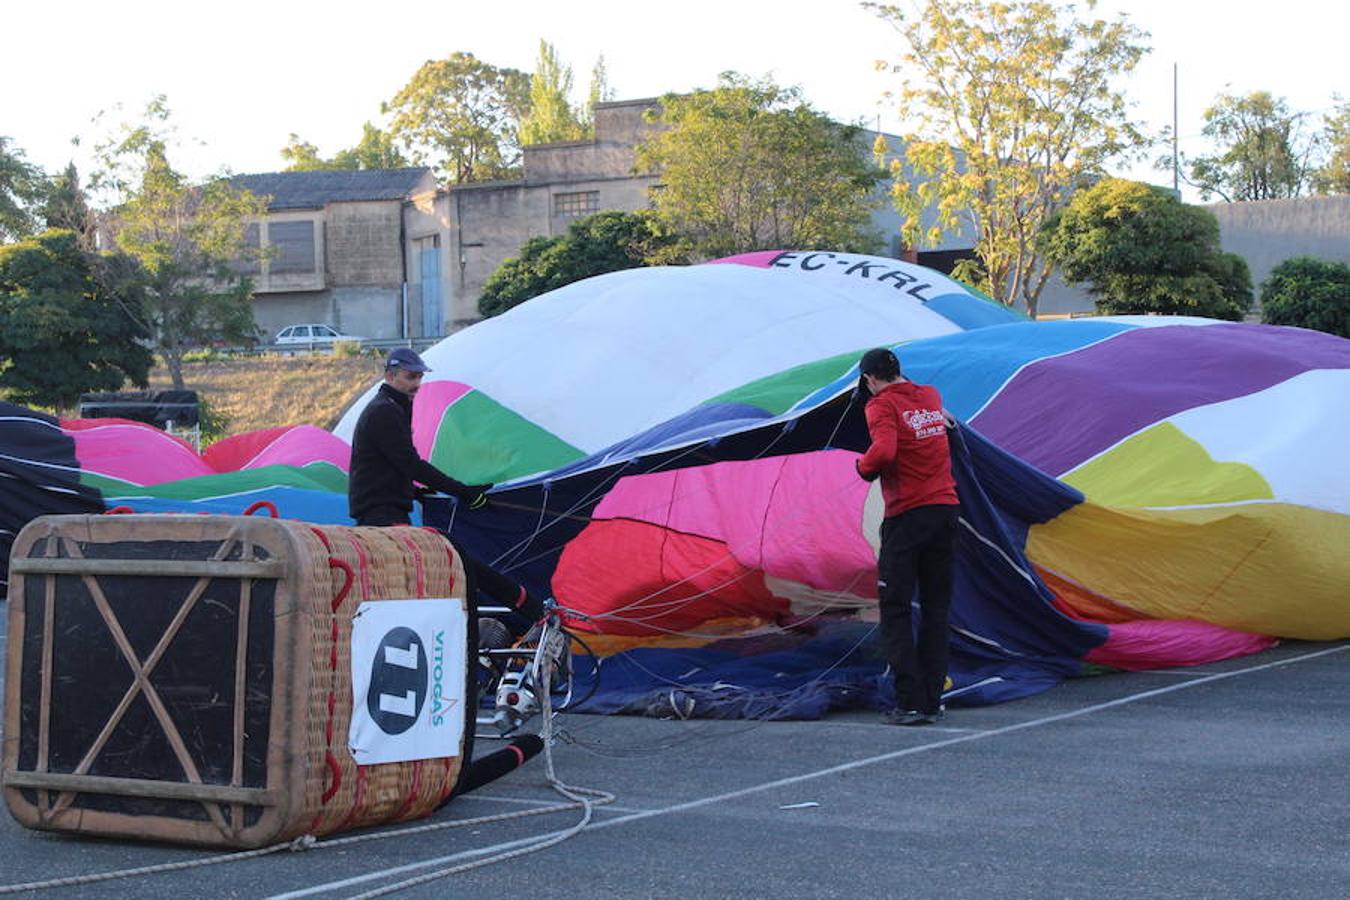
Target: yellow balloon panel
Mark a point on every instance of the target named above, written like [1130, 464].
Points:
[1163, 466]
[1269, 568]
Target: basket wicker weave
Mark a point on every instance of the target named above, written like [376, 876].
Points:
[188, 678]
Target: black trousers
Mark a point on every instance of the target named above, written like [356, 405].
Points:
[917, 548]
[500, 590]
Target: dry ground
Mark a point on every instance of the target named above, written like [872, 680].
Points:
[266, 391]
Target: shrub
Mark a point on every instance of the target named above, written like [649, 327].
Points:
[214, 424]
[1308, 293]
[201, 355]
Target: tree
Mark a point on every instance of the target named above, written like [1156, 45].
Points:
[1140, 250]
[599, 92]
[605, 242]
[1263, 154]
[462, 116]
[375, 150]
[1308, 293]
[1334, 175]
[63, 331]
[22, 185]
[551, 116]
[1016, 108]
[750, 166]
[67, 206]
[185, 239]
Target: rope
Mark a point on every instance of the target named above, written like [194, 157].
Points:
[586, 798]
[582, 798]
[145, 870]
[302, 843]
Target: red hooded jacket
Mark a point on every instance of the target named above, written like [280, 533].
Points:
[909, 448]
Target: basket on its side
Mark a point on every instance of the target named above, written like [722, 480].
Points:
[190, 679]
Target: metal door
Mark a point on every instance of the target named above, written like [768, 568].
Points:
[430, 270]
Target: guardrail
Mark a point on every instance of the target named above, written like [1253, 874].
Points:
[383, 344]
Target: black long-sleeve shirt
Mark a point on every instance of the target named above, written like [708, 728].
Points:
[385, 464]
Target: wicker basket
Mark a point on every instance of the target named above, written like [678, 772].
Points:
[188, 678]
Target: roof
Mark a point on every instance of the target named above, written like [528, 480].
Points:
[313, 190]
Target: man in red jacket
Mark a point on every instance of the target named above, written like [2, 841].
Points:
[908, 427]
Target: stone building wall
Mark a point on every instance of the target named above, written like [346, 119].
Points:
[363, 242]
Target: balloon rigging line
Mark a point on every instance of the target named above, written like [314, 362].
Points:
[666, 503]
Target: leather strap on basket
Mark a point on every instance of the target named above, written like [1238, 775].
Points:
[329, 758]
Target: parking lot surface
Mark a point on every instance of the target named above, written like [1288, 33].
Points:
[1227, 780]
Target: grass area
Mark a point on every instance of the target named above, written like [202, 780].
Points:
[253, 392]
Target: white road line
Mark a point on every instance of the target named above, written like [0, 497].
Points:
[937, 745]
[811, 776]
[877, 724]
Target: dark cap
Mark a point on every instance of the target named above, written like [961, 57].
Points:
[880, 363]
[405, 358]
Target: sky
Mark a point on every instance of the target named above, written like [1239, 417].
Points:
[241, 77]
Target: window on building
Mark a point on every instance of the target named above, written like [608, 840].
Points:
[249, 263]
[581, 203]
[292, 246]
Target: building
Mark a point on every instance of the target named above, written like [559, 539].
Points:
[487, 222]
[385, 254]
[388, 254]
[339, 250]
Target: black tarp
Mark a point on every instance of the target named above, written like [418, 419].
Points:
[151, 407]
[39, 475]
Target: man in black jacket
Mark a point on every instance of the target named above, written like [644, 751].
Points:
[385, 464]
[385, 468]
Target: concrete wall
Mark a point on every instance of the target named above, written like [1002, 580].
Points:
[1263, 232]
[363, 243]
[1267, 232]
[370, 311]
[619, 128]
[273, 312]
[487, 223]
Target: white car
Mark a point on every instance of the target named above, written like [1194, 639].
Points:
[313, 333]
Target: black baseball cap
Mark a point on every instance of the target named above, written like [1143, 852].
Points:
[405, 358]
[880, 362]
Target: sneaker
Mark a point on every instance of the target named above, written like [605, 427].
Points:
[908, 717]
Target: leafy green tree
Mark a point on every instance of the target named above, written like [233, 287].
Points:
[1263, 153]
[604, 242]
[462, 116]
[750, 165]
[302, 156]
[63, 331]
[1140, 250]
[22, 186]
[1308, 293]
[599, 92]
[551, 117]
[1016, 107]
[67, 206]
[1334, 175]
[185, 239]
[375, 150]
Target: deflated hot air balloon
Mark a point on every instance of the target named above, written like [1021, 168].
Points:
[674, 450]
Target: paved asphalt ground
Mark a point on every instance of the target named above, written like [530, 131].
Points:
[1227, 781]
